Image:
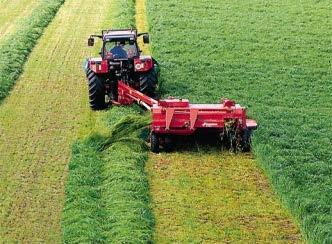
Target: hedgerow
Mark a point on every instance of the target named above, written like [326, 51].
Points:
[16, 48]
[274, 58]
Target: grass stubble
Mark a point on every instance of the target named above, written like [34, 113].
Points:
[215, 196]
[12, 14]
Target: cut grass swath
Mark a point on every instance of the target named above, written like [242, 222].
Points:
[83, 213]
[116, 194]
[107, 188]
[273, 57]
[126, 189]
[16, 48]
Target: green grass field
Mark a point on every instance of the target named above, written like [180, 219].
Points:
[273, 57]
[99, 178]
[214, 196]
[39, 122]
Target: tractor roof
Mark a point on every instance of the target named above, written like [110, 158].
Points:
[119, 34]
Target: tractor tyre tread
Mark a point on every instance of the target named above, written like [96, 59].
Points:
[246, 140]
[148, 82]
[96, 91]
[168, 143]
[154, 142]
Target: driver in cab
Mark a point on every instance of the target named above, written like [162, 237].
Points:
[118, 51]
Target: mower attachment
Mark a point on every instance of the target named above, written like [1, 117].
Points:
[179, 117]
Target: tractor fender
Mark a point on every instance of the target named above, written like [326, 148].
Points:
[143, 63]
[98, 65]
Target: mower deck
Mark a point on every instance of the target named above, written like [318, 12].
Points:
[179, 117]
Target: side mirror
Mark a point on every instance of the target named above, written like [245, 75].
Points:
[91, 41]
[146, 38]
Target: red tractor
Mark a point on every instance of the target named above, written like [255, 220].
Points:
[120, 59]
[126, 77]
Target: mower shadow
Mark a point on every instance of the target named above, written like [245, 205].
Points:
[200, 142]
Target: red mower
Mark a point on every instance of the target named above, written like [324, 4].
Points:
[169, 116]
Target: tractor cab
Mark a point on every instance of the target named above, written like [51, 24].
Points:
[119, 49]
[120, 44]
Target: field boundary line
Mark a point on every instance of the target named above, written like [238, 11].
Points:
[142, 24]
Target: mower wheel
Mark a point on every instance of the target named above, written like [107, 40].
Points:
[154, 142]
[96, 91]
[148, 82]
[167, 143]
[246, 140]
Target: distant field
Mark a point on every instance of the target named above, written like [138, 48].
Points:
[38, 123]
[275, 58]
[12, 12]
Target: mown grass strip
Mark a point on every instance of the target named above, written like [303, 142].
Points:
[217, 197]
[142, 24]
[12, 13]
[39, 122]
[17, 47]
[126, 189]
[273, 57]
[117, 192]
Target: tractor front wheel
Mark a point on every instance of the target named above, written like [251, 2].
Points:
[154, 142]
[96, 91]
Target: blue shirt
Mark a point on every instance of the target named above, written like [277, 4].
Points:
[118, 52]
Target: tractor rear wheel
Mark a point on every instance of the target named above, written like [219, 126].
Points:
[154, 142]
[96, 91]
[148, 82]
